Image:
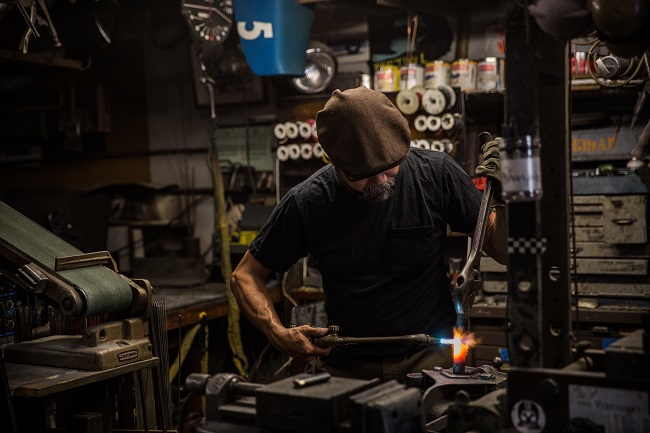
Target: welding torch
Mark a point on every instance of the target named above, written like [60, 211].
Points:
[468, 281]
[333, 339]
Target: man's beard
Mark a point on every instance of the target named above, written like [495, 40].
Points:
[379, 193]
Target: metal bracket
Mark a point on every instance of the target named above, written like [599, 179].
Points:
[85, 260]
[45, 283]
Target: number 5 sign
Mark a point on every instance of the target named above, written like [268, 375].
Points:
[274, 35]
[259, 28]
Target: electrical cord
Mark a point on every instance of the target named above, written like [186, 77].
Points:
[284, 290]
[604, 83]
[258, 362]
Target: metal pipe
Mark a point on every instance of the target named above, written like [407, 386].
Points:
[244, 388]
[333, 340]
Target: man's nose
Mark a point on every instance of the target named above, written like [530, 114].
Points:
[378, 179]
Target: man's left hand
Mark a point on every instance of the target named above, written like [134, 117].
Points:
[491, 168]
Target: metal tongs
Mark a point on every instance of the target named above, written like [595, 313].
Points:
[468, 281]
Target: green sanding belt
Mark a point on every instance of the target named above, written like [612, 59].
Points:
[104, 290]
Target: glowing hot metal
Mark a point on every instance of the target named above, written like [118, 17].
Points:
[461, 343]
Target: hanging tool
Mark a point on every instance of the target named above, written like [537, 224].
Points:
[48, 22]
[468, 281]
[30, 17]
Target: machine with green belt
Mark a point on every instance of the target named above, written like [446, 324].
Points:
[79, 285]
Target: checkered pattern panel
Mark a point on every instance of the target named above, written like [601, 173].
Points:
[526, 246]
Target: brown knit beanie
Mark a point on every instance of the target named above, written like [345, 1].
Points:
[362, 132]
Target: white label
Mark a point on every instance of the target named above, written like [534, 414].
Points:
[616, 410]
[528, 417]
[521, 174]
[259, 28]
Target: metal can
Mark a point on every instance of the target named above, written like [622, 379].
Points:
[410, 76]
[463, 74]
[502, 74]
[521, 174]
[387, 79]
[364, 80]
[487, 75]
[436, 74]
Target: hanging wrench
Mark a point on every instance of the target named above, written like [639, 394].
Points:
[468, 281]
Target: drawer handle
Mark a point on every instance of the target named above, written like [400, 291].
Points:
[624, 221]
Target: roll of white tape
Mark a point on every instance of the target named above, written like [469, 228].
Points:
[433, 123]
[280, 131]
[294, 151]
[304, 129]
[318, 151]
[407, 101]
[448, 121]
[433, 101]
[292, 130]
[419, 90]
[420, 123]
[282, 153]
[449, 146]
[437, 146]
[312, 125]
[423, 144]
[459, 120]
[306, 151]
[450, 96]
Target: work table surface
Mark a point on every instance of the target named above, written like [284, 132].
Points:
[185, 304]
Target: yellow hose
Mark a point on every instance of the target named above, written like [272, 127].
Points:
[234, 332]
[186, 345]
[183, 351]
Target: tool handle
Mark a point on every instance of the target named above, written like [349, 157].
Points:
[483, 214]
[334, 340]
[313, 379]
[643, 144]
[469, 276]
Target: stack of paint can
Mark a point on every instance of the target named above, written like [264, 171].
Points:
[390, 78]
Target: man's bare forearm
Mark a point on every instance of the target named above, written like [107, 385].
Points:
[248, 284]
[495, 243]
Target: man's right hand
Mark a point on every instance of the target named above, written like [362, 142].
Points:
[298, 342]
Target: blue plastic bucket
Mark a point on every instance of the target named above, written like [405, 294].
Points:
[274, 35]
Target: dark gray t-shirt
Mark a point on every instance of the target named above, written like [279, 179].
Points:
[382, 263]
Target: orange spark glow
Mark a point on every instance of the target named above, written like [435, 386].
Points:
[461, 343]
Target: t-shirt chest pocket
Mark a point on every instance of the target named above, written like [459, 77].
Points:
[413, 246]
